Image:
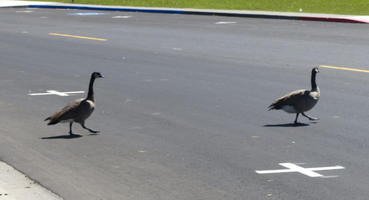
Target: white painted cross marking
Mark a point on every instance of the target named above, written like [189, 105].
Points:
[295, 168]
[55, 92]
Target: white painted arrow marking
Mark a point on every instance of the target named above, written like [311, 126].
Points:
[295, 168]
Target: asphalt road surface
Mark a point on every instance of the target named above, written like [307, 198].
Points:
[182, 107]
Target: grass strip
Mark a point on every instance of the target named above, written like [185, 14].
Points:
[353, 7]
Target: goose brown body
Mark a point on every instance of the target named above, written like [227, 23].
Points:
[77, 110]
[299, 101]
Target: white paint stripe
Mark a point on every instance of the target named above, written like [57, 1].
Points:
[75, 92]
[326, 168]
[38, 94]
[24, 11]
[302, 170]
[57, 93]
[329, 176]
[225, 22]
[291, 167]
[121, 17]
[87, 14]
[275, 171]
[54, 92]
[16, 186]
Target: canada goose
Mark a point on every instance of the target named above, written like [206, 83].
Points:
[77, 110]
[299, 101]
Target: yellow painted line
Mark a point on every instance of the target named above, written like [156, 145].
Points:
[345, 68]
[77, 36]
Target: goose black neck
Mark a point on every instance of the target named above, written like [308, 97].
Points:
[90, 95]
[314, 87]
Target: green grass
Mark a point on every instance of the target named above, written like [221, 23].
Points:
[357, 7]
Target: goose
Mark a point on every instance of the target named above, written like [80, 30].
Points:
[299, 101]
[77, 110]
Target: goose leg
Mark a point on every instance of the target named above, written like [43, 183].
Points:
[70, 128]
[297, 115]
[310, 118]
[92, 131]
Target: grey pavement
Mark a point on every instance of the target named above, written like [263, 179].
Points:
[182, 107]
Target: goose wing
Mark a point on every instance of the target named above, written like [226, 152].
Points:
[68, 112]
[289, 99]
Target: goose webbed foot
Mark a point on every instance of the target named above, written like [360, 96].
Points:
[91, 131]
[310, 118]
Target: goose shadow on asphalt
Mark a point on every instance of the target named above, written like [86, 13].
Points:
[74, 136]
[287, 125]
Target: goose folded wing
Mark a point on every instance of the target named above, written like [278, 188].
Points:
[68, 112]
[289, 99]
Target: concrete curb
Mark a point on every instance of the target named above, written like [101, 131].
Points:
[229, 13]
[16, 185]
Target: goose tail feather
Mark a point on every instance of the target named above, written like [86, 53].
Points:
[271, 107]
[51, 122]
